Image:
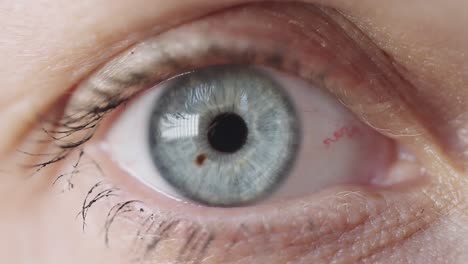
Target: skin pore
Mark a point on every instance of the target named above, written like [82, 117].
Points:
[48, 47]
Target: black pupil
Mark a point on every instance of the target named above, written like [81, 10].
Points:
[227, 133]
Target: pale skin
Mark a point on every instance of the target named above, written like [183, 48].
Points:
[48, 47]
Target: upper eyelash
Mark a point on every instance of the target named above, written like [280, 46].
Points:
[86, 118]
[89, 119]
[58, 132]
[81, 117]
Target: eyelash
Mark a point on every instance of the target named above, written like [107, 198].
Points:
[81, 124]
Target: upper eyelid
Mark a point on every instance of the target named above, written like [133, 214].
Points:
[116, 77]
[335, 56]
[366, 49]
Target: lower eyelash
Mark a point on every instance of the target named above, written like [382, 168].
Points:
[155, 230]
[149, 230]
[144, 232]
[152, 228]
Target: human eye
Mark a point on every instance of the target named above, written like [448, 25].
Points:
[260, 129]
[230, 135]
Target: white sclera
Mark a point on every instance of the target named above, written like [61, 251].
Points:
[336, 148]
[355, 153]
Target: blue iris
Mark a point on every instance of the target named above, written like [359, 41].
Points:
[224, 135]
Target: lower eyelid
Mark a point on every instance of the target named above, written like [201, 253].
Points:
[308, 227]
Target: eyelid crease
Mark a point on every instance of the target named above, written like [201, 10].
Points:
[334, 61]
[315, 43]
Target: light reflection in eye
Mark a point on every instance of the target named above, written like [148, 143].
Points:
[335, 147]
[178, 127]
